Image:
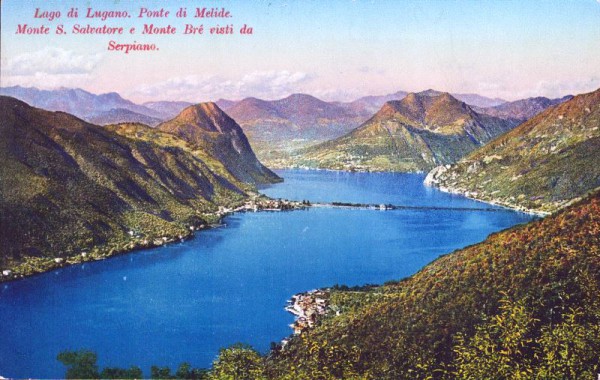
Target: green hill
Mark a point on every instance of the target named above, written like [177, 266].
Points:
[522, 304]
[541, 165]
[71, 191]
[414, 134]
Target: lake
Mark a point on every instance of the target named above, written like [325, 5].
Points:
[184, 301]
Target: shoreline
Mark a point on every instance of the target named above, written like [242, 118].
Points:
[494, 202]
[357, 170]
[34, 266]
[466, 194]
[432, 181]
[97, 253]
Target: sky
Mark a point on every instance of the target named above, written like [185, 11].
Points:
[335, 50]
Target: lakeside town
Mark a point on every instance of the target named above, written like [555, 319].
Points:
[307, 307]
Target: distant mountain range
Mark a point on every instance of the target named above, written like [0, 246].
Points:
[371, 104]
[275, 128]
[297, 116]
[541, 165]
[478, 100]
[77, 102]
[69, 187]
[523, 109]
[278, 126]
[272, 126]
[121, 115]
[414, 134]
[167, 109]
[374, 103]
[99, 109]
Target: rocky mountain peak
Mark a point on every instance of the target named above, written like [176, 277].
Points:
[206, 125]
[207, 116]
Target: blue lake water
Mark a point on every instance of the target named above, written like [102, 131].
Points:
[185, 301]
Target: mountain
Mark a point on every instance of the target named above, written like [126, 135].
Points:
[276, 127]
[225, 104]
[371, 104]
[167, 110]
[121, 115]
[522, 304]
[414, 134]
[523, 109]
[472, 100]
[541, 165]
[77, 102]
[478, 100]
[299, 116]
[71, 191]
[206, 126]
[374, 103]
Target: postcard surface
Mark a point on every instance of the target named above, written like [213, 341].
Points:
[365, 189]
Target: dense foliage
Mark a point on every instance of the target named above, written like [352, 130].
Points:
[238, 362]
[513, 345]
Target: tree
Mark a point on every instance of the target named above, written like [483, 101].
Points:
[160, 372]
[501, 348]
[185, 371]
[120, 373]
[569, 350]
[238, 362]
[513, 345]
[80, 364]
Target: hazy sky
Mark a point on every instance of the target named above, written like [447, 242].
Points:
[336, 50]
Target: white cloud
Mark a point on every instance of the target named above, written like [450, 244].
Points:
[52, 61]
[261, 84]
[48, 68]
